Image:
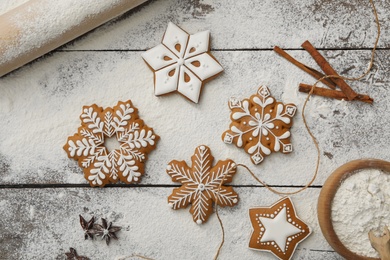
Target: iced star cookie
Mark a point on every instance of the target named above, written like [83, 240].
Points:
[260, 125]
[182, 63]
[277, 229]
[202, 184]
[134, 140]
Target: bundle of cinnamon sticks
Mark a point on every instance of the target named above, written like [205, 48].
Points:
[345, 92]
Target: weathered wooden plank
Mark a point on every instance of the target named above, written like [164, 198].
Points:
[46, 98]
[43, 224]
[248, 24]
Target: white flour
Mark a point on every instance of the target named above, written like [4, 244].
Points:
[6, 5]
[361, 204]
[47, 21]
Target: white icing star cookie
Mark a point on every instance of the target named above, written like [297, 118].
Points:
[182, 63]
[277, 229]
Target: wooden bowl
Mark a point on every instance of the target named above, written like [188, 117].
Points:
[327, 194]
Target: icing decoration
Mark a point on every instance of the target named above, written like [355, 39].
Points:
[201, 184]
[89, 145]
[277, 229]
[260, 125]
[182, 62]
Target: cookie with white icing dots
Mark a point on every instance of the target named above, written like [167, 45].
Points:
[277, 229]
[260, 125]
[202, 184]
[182, 63]
[132, 141]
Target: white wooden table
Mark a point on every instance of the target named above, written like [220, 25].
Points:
[39, 206]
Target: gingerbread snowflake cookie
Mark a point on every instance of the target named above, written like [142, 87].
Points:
[277, 229]
[202, 184]
[260, 125]
[182, 63]
[134, 141]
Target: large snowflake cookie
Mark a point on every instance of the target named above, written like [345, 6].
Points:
[260, 125]
[182, 63]
[134, 140]
[202, 184]
[277, 229]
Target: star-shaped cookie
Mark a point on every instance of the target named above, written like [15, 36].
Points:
[202, 184]
[277, 229]
[182, 63]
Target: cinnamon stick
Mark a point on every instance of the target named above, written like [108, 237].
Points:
[305, 88]
[316, 74]
[327, 68]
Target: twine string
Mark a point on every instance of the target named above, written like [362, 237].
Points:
[132, 256]
[371, 63]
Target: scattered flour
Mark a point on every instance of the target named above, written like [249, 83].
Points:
[45, 101]
[47, 22]
[7, 5]
[360, 205]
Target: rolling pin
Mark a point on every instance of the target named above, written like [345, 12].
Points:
[40, 26]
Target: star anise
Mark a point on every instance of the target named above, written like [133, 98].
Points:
[106, 231]
[72, 255]
[87, 227]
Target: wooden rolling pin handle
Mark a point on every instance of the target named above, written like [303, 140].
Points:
[14, 52]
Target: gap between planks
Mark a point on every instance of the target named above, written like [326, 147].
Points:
[222, 50]
[45, 186]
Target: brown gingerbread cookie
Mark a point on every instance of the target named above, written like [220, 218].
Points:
[182, 63]
[260, 125]
[135, 141]
[202, 184]
[277, 229]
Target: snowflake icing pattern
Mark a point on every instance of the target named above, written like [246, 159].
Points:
[260, 125]
[182, 62]
[126, 163]
[200, 184]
